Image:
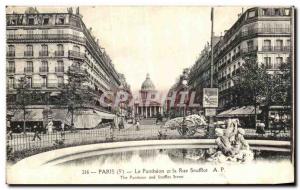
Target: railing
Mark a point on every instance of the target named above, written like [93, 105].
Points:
[28, 53]
[11, 70]
[28, 70]
[43, 69]
[43, 53]
[242, 35]
[76, 55]
[10, 54]
[59, 53]
[59, 69]
[276, 48]
[37, 37]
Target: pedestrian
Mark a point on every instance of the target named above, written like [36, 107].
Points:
[50, 127]
[9, 130]
[62, 129]
[36, 132]
[137, 124]
[19, 129]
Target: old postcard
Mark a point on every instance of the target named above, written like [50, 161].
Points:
[150, 95]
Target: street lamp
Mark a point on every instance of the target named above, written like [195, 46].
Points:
[185, 87]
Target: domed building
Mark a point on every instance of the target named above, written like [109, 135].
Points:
[147, 104]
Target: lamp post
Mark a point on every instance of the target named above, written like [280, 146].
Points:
[185, 87]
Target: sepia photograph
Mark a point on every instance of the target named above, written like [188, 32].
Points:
[150, 95]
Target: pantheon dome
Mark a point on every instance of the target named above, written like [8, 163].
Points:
[147, 84]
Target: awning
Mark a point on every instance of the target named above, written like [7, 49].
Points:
[240, 112]
[106, 115]
[31, 115]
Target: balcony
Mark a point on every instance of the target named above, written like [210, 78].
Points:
[45, 37]
[59, 53]
[28, 53]
[10, 54]
[282, 48]
[59, 69]
[76, 55]
[11, 70]
[44, 69]
[47, 85]
[28, 70]
[44, 53]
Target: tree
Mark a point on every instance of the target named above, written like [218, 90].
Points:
[76, 94]
[251, 83]
[255, 85]
[23, 99]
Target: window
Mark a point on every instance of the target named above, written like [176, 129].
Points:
[44, 67]
[29, 50]
[267, 62]
[279, 61]
[76, 48]
[61, 21]
[28, 82]
[31, 21]
[267, 45]
[250, 45]
[286, 12]
[44, 81]
[45, 48]
[29, 66]
[152, 96]
[277, 12]
[288, 43]
[44, 51]
[60, 66]
[11, 33]
[265, 12]
[11, 51]
[11, 82]
[251, 14]
[46, 21]
[279, 45]
[11, 67]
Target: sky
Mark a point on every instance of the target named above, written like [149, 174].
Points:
[159, 40]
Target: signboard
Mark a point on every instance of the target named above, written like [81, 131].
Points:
[210, 112]
[210, 97]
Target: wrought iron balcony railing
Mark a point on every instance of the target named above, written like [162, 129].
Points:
[59, 53]
[11, 70]
[59, 69]
[28, 70]
[44, 53]
[44, 69]
[76, 55]
[28, 53]
[11, 54]
[38, 37]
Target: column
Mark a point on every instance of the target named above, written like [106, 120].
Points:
[146, 111]
[150, 111]
[155, 110]
[142, 111]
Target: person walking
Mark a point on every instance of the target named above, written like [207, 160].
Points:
[36, 132]
[62, 129]
[50, 127]
[137, 124]
[9, 130]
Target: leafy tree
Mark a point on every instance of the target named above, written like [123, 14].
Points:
[76, 94]
[23, 99]
[255, 85]
[251, 83]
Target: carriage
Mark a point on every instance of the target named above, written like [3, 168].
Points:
[187, 126]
